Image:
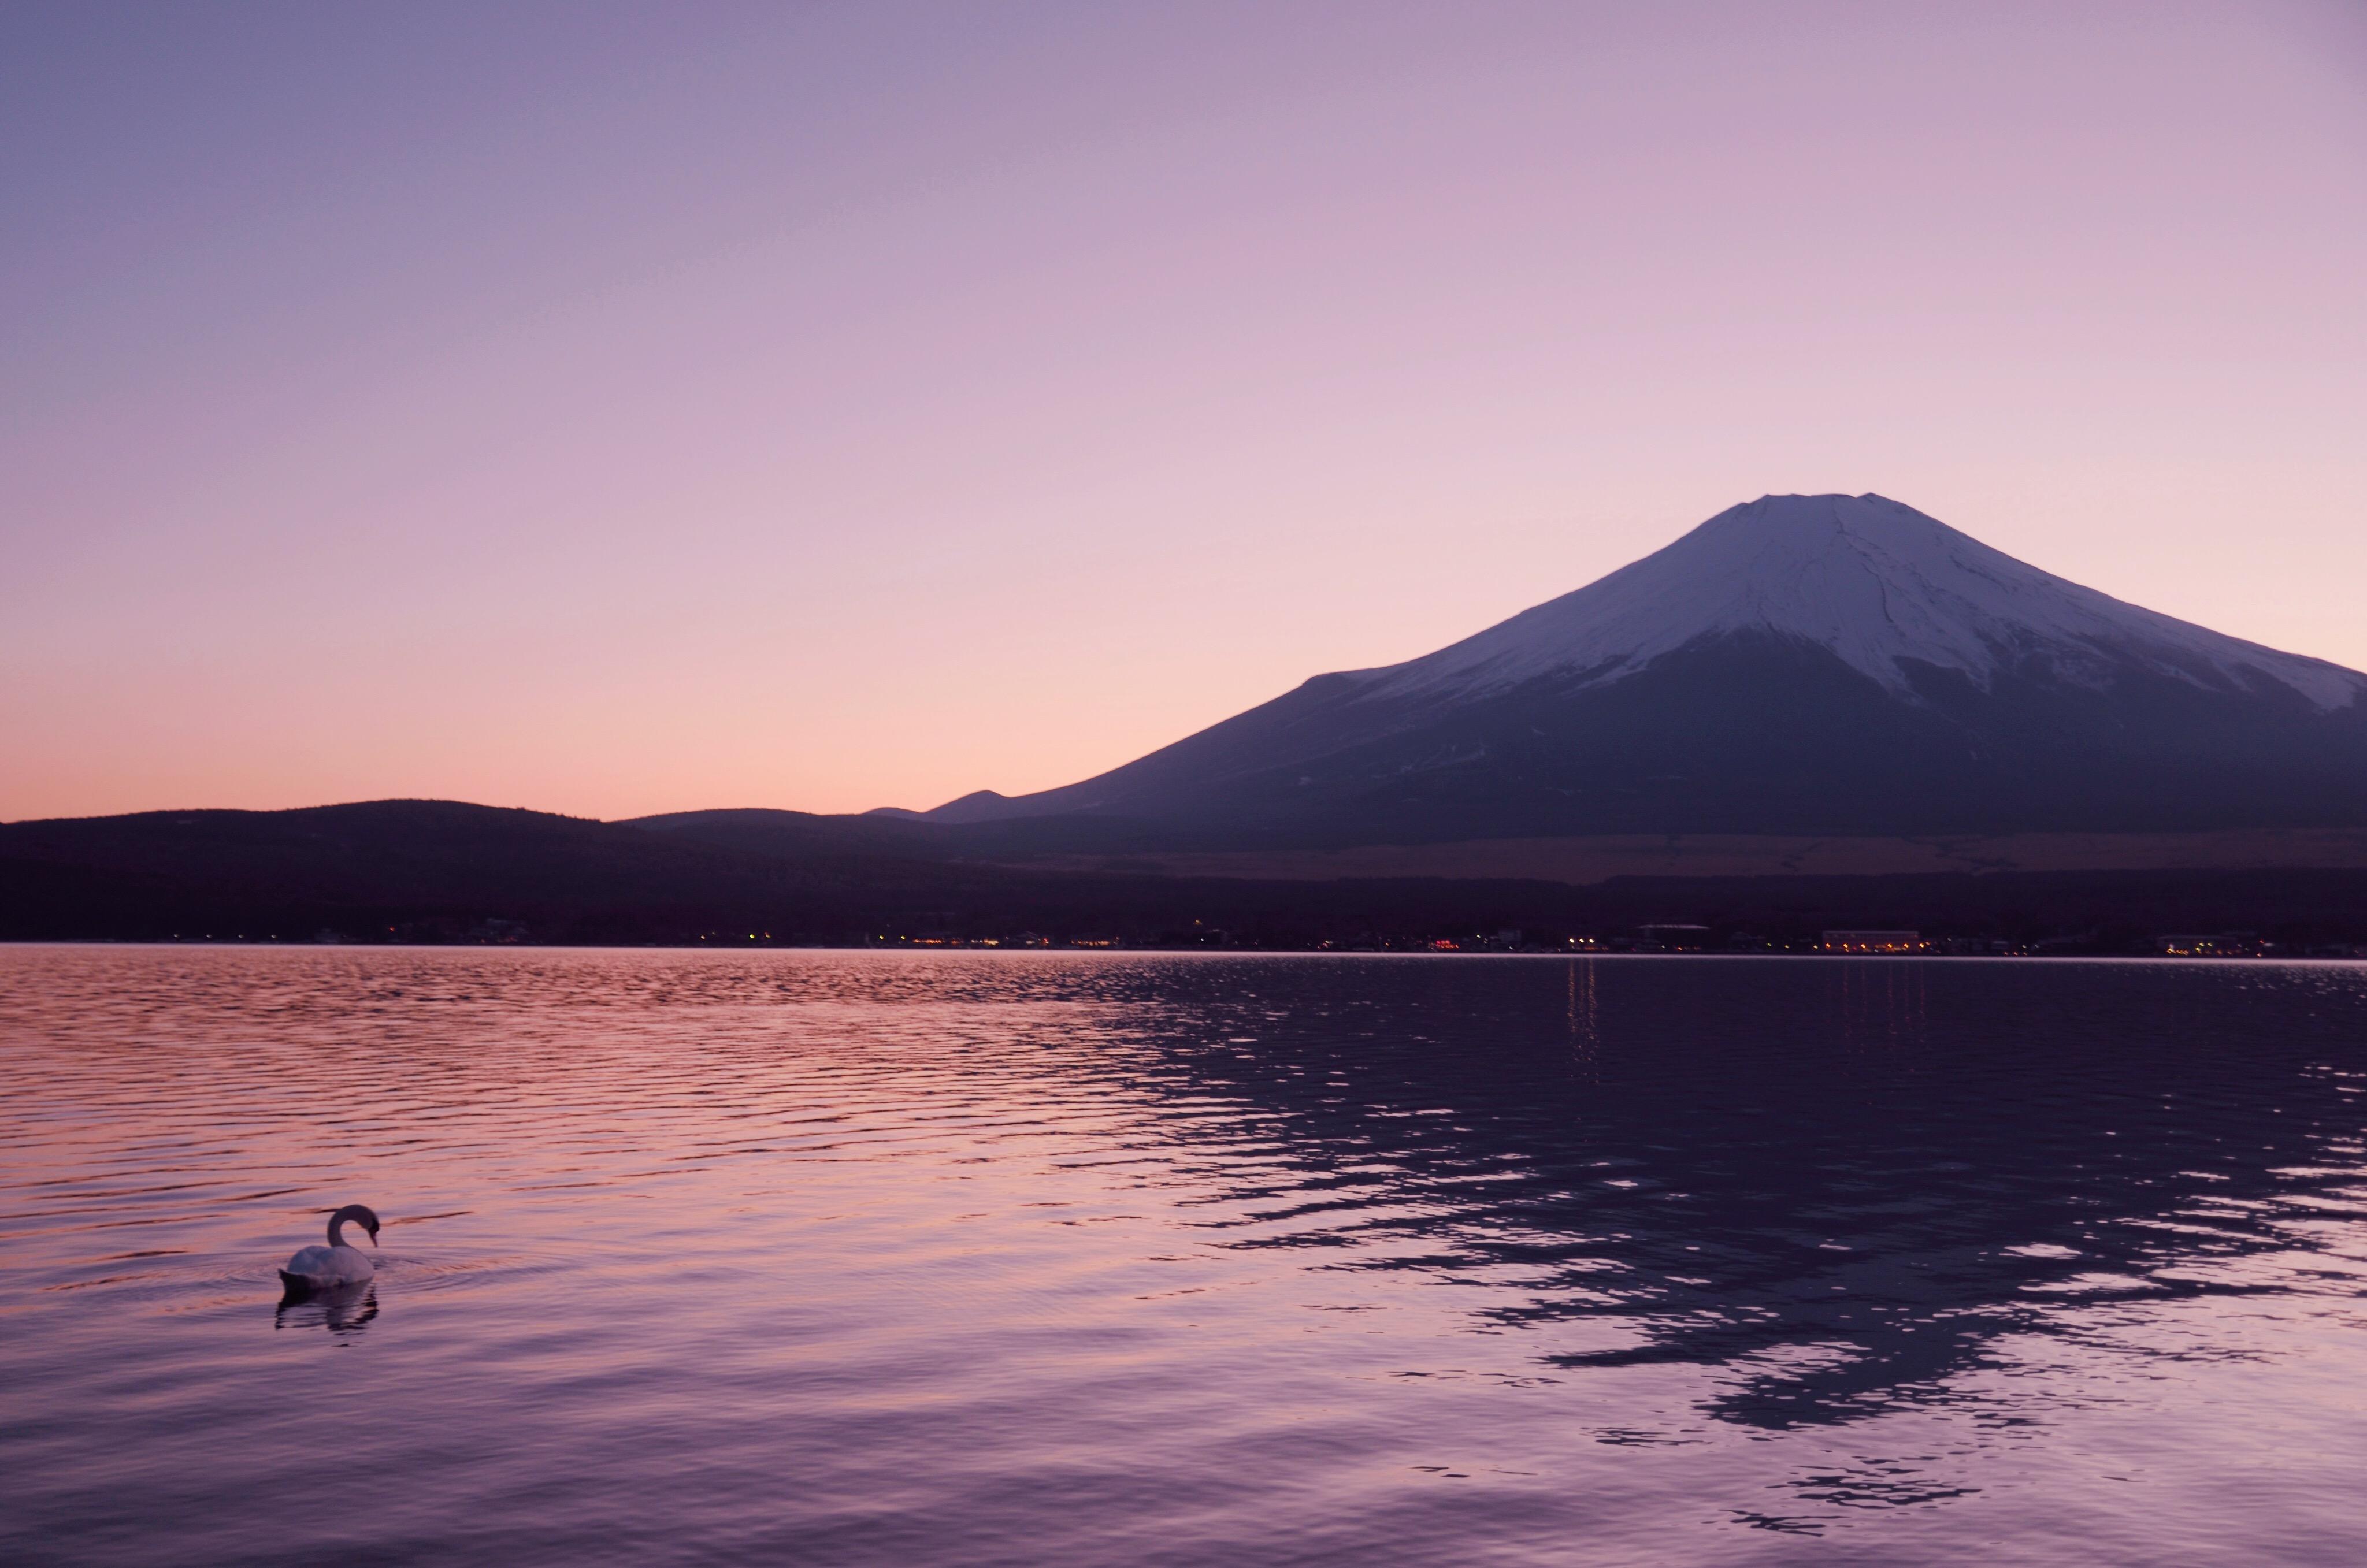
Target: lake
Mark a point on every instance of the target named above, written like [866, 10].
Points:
[966, 1258]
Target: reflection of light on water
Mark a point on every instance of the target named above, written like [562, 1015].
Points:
[1585, 1019]
[1882, 1002]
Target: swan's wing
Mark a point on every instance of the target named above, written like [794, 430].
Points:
[309, 1260]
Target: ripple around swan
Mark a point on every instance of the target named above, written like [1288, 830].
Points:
[1044, 1259]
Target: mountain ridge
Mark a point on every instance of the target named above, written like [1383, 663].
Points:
[1797, 664]
[412, 871]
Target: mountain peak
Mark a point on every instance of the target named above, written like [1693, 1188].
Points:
[1830, 518]
[1830, 507]
[1879, 584]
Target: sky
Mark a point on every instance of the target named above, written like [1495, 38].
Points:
[616, 410]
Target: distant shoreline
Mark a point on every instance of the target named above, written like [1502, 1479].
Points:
[1586, 860]
[444, 873]
[2066, 954]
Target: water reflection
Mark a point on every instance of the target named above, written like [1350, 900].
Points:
[340, 1309]
[1839, 1206]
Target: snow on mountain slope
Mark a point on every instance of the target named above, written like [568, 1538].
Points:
[1871, 580]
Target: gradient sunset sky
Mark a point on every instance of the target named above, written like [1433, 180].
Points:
[619, 410]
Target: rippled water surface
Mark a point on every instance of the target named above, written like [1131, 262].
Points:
[1028, 1258]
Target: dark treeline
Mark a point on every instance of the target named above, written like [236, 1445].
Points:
[415, 871]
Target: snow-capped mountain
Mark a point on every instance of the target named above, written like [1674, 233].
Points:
[1799, 664]
[1881, 585]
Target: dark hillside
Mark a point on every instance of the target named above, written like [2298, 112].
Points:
[426, 868]
[439, 871]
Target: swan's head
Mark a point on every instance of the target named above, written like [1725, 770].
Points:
[352, 1214]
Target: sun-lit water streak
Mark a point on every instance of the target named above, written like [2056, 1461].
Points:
[1035, 1259]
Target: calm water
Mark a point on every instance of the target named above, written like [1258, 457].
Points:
[1018, 1259]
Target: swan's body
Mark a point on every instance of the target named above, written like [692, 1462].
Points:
[321, 1267]
[314, 1268]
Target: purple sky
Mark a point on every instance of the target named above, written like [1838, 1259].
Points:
[627, 410]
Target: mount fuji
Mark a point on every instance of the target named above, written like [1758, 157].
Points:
[1798, 665]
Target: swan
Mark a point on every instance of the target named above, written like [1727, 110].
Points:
[318, 1267]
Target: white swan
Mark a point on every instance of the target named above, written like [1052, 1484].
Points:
[319, 1267]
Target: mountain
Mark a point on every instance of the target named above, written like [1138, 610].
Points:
[1810, 711]
[1799, 665]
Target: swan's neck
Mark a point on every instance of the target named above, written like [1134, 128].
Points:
[358, 1215]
